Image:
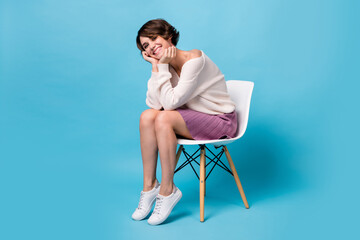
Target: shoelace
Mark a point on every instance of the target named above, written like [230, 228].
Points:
[141, 202]
[158, 204]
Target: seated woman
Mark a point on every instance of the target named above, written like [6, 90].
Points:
[188, 97]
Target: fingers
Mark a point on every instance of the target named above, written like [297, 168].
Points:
[174, 52]
[168, 55]
[170, 52]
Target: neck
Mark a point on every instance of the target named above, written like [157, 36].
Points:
[179, 60]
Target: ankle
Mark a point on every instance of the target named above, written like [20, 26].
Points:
[149, 185]
[166, 190]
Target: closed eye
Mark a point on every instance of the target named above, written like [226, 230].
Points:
[152, 38]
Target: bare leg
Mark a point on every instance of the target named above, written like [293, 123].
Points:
[149, 148]
[167, 125]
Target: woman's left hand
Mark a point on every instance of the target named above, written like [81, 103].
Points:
[169, 54]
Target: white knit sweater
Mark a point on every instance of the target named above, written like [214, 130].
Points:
[201, 87]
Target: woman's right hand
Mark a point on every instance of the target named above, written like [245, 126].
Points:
[151, 60]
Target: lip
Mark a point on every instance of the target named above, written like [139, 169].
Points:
[156, 50]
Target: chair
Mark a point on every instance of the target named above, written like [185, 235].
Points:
[240, 92]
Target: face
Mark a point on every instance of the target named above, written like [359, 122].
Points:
[155, 46]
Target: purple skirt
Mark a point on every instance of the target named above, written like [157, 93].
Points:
[203, 126]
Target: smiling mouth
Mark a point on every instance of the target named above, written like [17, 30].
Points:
[157, 50]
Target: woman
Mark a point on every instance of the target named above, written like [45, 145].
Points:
[187, 96]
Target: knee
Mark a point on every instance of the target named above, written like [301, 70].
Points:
[162, 121]
[147, 117]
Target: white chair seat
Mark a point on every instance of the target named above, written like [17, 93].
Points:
[216, 143]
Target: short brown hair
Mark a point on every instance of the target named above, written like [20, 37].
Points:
[157, 27]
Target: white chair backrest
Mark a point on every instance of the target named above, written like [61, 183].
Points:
[240, 92]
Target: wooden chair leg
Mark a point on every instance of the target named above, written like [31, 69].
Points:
[237, 180]
[178, 154]
[205, 178]
[202, 183]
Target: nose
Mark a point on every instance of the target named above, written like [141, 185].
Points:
[152, 46]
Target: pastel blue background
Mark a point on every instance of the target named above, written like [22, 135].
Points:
[72, 88]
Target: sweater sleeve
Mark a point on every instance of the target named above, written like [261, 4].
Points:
[171, 98]
[152, 94]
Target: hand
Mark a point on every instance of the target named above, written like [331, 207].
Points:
[168, 55]
[151, 60]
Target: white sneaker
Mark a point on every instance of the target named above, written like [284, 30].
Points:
[164, 206]
[146, 202]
